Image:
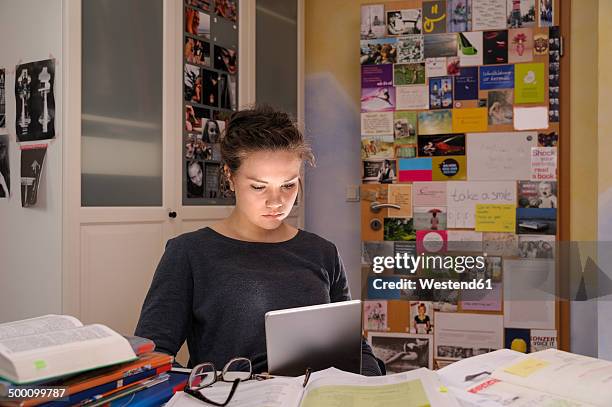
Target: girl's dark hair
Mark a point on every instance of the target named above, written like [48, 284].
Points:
[261, 128]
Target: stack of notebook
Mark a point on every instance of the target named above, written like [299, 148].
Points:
[95, 364]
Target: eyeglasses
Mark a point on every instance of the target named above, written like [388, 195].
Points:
[204, 375]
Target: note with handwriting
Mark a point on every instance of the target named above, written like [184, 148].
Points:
[462, 197]
[495, 217]
[500, 156]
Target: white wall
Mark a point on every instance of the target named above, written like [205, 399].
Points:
[30, 238]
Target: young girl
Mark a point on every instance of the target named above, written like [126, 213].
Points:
[213, 287]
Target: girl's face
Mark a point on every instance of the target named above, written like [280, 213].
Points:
[421, 311]
[266, 186]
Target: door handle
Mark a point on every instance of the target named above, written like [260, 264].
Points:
[172, 214]
[375, 207]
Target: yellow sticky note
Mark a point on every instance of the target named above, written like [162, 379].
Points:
[469, 120]
[495, 218]
[527, 367]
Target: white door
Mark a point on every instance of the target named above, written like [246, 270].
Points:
[122, 182]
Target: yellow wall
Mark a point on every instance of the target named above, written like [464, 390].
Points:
[604, 121]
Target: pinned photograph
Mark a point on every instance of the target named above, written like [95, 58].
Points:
[35, 101]
[380, 51]
[453, 65]
[499, 105]
[193, 118]
[459, 15]
[441, 145]
[226, 59]
[375, 315]
[402, 22]
[540, 43]
[212, 131]
[409, 74]
[192, 84]
[547, 13]
[402, 352]
[227, 9]
[32, 161]
[195, 179]
[398, 229]
[429, 218]
[197, 23]
[435, 122]
[227, 91]
[210, 88]
[5, 168]
[201, 4]
[410, 49]
[372, 21]
[422, 314]
[521, 13]
[434, 16]
[377, 147]
[536, 247]
[213, 176]
[495, 47]
[381, 99]
[532, 221]
[197, 52]
[441, 93]
[548, 139]
[537, 194]
[2, 99]
[521, 45]
[379, 171]
[440, 45]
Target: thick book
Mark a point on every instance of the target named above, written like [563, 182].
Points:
[50, 346]
[545, 378]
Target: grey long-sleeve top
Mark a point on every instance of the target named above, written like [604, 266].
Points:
[214, 291]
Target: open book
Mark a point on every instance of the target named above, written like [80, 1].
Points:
[332, 388]
[41, 348]
[546, 378]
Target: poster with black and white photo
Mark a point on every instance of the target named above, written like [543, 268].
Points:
[32, 161]
[402, 352]
[35, 103]
[5, 169]
[2, 100]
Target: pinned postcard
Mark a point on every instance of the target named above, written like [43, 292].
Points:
[441, 93]
[429, 193]
[434, 16]
[482, 300]
[413, 97]
[495, 218]
[415, 169]
[470, 120]
[449, 168]
[408, 74]
[489, 15]
[399, 229]
[544, 163]
[452, 65]
[464, 241]
[466, 84]
[376, 124]
[374, 76]
[547, 13]
[459, 336]
[537, 194]
[405, 128]
[471, 49]
[431, 241]
[500, 156]
[530, 118]
[375, 315]
[500, 244]
[499, 103]
[463, 196]
[459, 15]
[440, 45]
[441, 145]
[497, 77]
[372, 21]
[435, 67]
[5, 168]
[435, 122]
[529, 83]
[380, 99]
[377, 147]
[542, 339]
[536, 221]
[410, 49]
[495, 47]
[520, 47]
[32, 162]
[400, 195]
[540, 43]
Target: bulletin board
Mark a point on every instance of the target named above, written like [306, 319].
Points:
[210, 86]
[461, 149]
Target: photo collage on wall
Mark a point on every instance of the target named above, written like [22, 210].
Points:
[210, 94]
[459, 131]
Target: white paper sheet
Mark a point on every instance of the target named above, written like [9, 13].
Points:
[457, 336]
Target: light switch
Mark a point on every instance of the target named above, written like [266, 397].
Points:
[352, 193]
